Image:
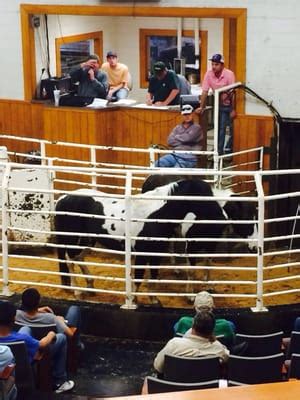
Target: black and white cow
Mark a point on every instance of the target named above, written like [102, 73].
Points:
[90, 203]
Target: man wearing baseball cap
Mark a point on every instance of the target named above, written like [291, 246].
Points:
[163, 89]
[204, 300]
[118, 76]
[216, 78]
[185, 136]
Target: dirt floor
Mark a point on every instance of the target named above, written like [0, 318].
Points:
[227, 294]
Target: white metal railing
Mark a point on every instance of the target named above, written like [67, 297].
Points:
[48, 147]
[257, 265]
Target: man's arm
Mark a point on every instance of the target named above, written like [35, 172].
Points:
[149, 99]
[67, 330]
[46, 340]
[100, 81]
[203, 98]
[169, 99]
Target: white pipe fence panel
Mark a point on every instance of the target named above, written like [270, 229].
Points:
[256, 278]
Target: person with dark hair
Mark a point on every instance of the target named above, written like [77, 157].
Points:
[217, 77]
[31, 313]
[56, 342]
[200, 342]
[163, 89]
[92, 81]
[118, 77]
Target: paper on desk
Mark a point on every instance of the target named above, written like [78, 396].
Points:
[98, 103]
[125, 102]
[142, 105]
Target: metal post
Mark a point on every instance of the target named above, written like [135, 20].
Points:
[152, 157]
[129, 303]
[51, 177]
[260, 245]
[4, 190]
[94, 164]
[43, 153]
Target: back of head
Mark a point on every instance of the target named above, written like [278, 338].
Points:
[204, 300]
[30, 299]
[204, 324]
[7, 314]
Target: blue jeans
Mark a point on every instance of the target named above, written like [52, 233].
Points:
[224, 121]
[58, 351]
[121, 94]
[175, 161]
[73, 318]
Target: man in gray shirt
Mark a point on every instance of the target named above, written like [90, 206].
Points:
[32, 314]
[185, 136]
[92, 81]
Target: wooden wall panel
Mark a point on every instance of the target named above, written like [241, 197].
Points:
[19, 118]
[130, 127]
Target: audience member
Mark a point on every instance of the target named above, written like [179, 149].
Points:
[216, 78]
[185, 136]
[204, 300]
[163, 87]
[118, 77]
[56, 343]
[92, 81]
[199, 342]
[6, 357]
[31, 313]
[6, 361]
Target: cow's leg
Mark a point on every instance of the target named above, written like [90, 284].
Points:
[85, 271]
[71, 266]
[63, 267]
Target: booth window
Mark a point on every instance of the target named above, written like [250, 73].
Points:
[161, 44]
[71, 51]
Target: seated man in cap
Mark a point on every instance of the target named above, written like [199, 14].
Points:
[185, 136]
[163, 87]
[92, 81]
[204, 300]
[118, 77]
[216, 78]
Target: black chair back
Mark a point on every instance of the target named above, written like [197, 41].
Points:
[38, 331]
[294, 345]
[156, 385]
[191, 369]
[294, 369]
[24, 373]
[254, 370]
[261, 345]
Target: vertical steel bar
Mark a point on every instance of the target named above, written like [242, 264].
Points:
[260, 244]
[129, 303]
[4, 201]
[94, 164]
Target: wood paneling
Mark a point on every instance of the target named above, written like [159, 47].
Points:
[129, 127]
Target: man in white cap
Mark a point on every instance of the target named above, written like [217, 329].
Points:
[186, 136]
[204, 300]
[217, 77]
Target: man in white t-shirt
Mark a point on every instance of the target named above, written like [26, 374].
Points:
[118, 76]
